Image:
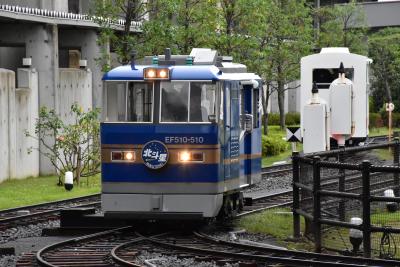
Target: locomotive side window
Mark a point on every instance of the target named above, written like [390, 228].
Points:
[174, 101]
[116, 101]
[256, 107]
[202, 101]
[140, 102]
[242, 109]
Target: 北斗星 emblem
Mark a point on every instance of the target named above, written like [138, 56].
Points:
[155, 154]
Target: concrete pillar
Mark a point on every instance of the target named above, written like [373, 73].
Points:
[42, 46]
[91, 51]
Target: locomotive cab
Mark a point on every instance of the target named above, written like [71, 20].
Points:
[178, 141]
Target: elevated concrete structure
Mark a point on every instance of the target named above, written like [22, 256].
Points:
[382, 14]
[43, 30]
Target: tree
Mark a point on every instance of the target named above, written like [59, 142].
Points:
[343, 26]
[180, 25]
[177, 24]
[107, 13]
[74, 147]
[384, 49]
[284, 36]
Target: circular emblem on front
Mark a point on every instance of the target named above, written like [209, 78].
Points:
[155, 154]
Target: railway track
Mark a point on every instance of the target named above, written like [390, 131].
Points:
[44, 211]
[268, 201]
[124, 247]
[277, 169]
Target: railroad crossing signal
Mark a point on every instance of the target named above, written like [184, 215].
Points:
[293, 134]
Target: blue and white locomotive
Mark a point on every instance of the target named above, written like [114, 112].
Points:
[180, 137]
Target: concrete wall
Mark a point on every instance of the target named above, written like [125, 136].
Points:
[22, 3]
[27, 111]
[382, 14]
[19, 107]
[75, 86]
[87, 41]
[42, 45]
[7, 84]
[18, 111]
[292, 99]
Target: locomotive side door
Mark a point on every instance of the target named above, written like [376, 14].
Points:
[232, 130]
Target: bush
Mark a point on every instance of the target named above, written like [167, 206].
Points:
[273, 119]
[291, 119]
[375, 120]
[385, 120]
[70, 147]
[273, 145]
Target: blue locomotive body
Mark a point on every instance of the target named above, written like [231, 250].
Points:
[179, 141]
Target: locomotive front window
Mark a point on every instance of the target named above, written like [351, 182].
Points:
[202, 101]
[139, 104]
[129, 102]
[174, 101]
[188, 102]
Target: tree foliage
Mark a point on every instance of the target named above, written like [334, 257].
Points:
[285, 35]
[106, 13]
[384, 49]
[343, 26]
[70, 147]
[179, 25]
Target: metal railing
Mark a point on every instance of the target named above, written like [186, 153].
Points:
[64, 15]
[314, 187]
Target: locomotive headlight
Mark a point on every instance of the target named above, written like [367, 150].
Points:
[150, 73]
[128, 155]
[192, 156]
[156, 73]
[163, 73]
[184, 156]
[123, 156]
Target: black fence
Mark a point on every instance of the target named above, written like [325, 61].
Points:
[330, 188]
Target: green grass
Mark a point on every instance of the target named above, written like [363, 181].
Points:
[383, 154]
[277, 223]
[15, 193]
[338, 238]
[268, 161]
[381, 131]
[274, 222]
